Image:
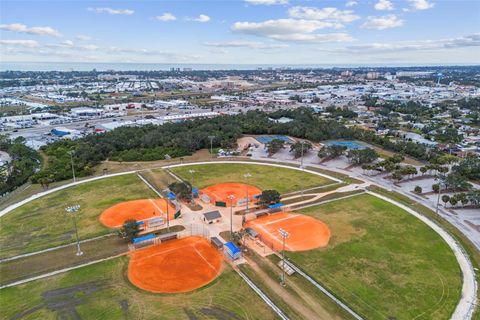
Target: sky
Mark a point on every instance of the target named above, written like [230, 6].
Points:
[363, 32]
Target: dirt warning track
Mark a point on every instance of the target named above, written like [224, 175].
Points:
[175, 266]
[139, 210]
[305, 233]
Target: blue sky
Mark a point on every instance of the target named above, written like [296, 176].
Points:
[242, 31]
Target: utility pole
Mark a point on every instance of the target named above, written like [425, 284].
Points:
[284, 234]
[71, 153]
[192, 172]
[211, 145]
[247, 175]
[231, 197]
[73, 210]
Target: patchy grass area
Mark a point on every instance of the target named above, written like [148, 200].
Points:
[43, 223]
[102, 291]
[383, 262]
[264, 177]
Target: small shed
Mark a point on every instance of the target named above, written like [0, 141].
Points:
[232, 251]
[212, 217]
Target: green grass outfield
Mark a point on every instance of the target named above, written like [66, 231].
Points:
[263, 177]
[383, 262]
[102, 291]
[43, 223]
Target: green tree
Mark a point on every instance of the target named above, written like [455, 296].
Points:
[182, 190]
[445, 199]
[418, 189]
[299, 148]
[129, 230]
[269, 197]
[274, 146]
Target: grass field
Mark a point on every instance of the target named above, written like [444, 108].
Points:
[102, 291]
[43, 223]
[383, 262]
[264, 177]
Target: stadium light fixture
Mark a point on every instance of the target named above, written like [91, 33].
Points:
[73, 210]
[71, 153]
[247, 175]
[211, 145]
[231, 197]
[284, 234]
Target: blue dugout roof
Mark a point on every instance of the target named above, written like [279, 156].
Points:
[144, 238]
[232, 248]
[275, 205]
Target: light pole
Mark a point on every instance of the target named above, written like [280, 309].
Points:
[247, 175]
[74, 209]
[438, 197]
[284, 234]
[71, 153]
[192, 172]
[231, 197]
[301, 184]
[211, 145]
[301, 158]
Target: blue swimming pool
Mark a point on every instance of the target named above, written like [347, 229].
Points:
[349, 144]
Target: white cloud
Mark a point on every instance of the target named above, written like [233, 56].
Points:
[421, 4]
[127, 12]
[202, 18]
[351, 3]
[266, 2]
[39, 31]
[326, 14]
[167, 16]
[382, 5]
[383, 22]
[246, 44]
[20, 43]
[291, 30]
[471, 40]
[83, 37]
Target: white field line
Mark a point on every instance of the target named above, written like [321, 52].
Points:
[282, 219]
[149, 185]
[53, 248]
[16, 283]
[262, 295]
[273, 236]
[156, 206]
[201, 256]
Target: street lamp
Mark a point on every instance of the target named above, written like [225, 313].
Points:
[247, 175]
[211, 145]
[284, 234]
[302, 167]
[71, 153]
[231, 197]
[440, 181]
[74, 209]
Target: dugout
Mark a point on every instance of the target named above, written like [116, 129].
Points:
[232, 251]
[217, 243]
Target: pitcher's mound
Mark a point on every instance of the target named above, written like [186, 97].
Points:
[175, 266]
[305, 233]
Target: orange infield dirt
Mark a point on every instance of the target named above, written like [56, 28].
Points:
[139, 210]
[305, 233]
[221, 191]
[176, 266]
